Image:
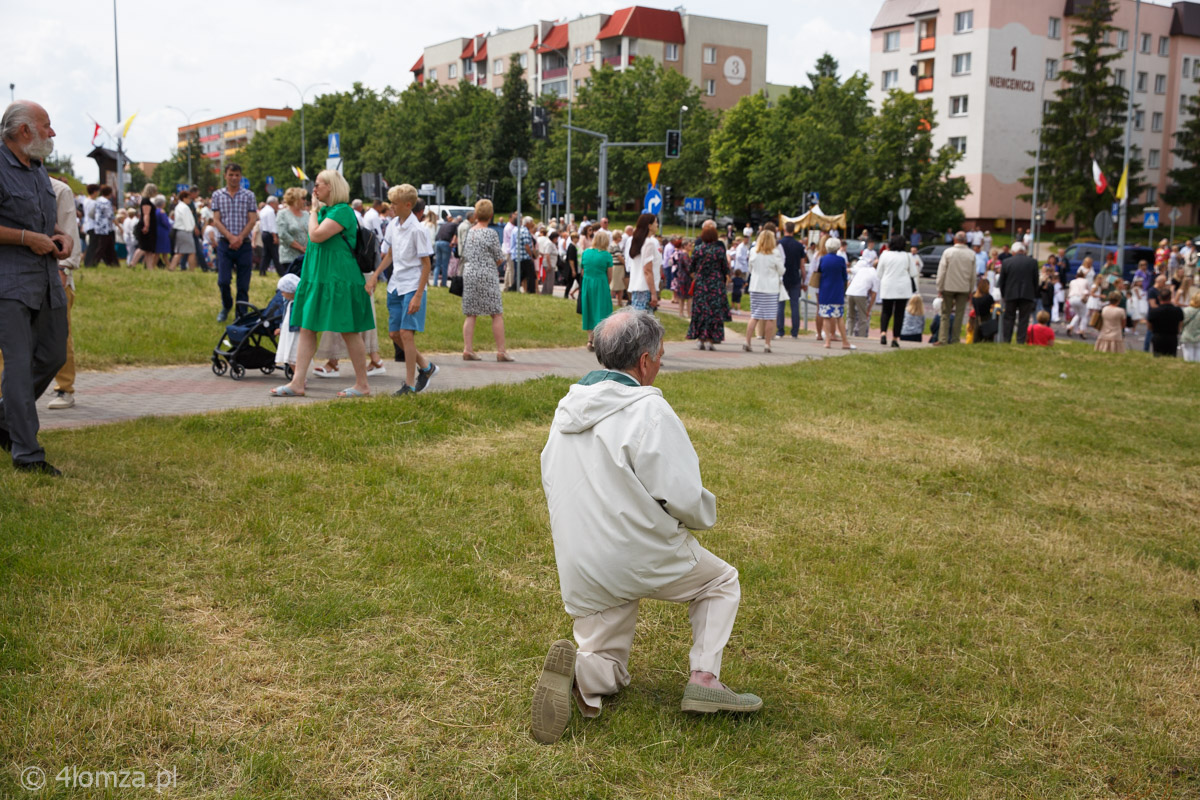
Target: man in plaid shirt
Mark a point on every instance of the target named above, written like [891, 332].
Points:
[234, 213]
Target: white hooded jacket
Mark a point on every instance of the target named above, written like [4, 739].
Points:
[622, 482]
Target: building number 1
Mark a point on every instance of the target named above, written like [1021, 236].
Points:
[1014, 55]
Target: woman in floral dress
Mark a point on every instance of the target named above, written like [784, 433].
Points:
[481, 254]
[710, 306]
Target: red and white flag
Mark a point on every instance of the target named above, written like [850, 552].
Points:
[1098, 177]
[95, 133]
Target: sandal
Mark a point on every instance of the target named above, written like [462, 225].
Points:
[375, 369]
[471, 357]
[352, 392]
[285, 391]
[325, 372]
[746, 347]
[504, 357]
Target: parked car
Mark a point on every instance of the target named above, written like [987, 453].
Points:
[450, 212]
[698, 217]
[930, 257]
[854, 250]
[1076, 252]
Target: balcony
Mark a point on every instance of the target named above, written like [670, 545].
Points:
[926, 44]
[924, 85]
[553, 74]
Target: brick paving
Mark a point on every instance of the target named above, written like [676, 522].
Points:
[124, 394]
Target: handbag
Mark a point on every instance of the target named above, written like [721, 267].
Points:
[456, 286]
[1096, 320]
[814, 280]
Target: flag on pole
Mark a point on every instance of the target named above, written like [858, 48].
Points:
[1123, 186]
[95, 133]
[125, 125]
[1098, 177]
[299, 173]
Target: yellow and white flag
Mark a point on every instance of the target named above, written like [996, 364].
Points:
[125, 125]
[1123, 186]
[299, 173]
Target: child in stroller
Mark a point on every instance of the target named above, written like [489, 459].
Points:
[244, 344]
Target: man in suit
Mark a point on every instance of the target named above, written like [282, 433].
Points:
[1018, 287]
[33, 304]
[955, 282]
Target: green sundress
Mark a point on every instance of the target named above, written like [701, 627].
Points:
[332, 294]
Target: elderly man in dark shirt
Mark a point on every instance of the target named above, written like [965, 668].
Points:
[33, 305]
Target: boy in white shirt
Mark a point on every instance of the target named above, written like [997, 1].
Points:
[406, 247]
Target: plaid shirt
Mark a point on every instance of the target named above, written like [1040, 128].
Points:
[234, 209]
[524, 241]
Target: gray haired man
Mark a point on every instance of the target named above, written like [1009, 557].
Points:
[622, 482]
[955, 282]
[33, 304]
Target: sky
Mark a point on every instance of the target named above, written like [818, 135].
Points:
[64, 59]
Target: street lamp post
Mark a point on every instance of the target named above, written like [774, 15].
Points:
[303, 156]
[188, 138]
[120, 153]
[681, 110]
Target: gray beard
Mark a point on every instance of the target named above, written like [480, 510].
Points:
[39, 148]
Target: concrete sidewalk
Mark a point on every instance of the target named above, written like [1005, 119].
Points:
[102, 397]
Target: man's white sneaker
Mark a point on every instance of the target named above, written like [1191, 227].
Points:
[62, 400]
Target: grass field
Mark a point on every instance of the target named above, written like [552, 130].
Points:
[964, 576]
[132, 317]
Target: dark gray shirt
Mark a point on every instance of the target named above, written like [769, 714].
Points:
[27, 204]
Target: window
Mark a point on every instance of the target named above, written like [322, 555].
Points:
[1152, 161]
[962, 64]
[499, 92]
[578, 55]
[1145, 47]
[1119, 77]
[710, 87]
[1056, 28]
[1160, 84]
[672, 52]
[1139, 120]
[577, 83]
[498, 66]
[891, 41]
[1051, 69]
[891, 79]
[468, 67]
[959, 144]
[710, 55]
[1187, 66]
[1141, 81]
[1156, 121]
[1196, 68]
[452, 71]
[958, 106]
[589, 52]
[1135, 152]
[964, 21]
[1046, 106]
[1122, 40]
[433, 74]
[1183, 104]
[1151, 195]
[524, 60]
[1164, 46]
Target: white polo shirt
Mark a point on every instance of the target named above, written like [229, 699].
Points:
[267, 216]
[408, 242]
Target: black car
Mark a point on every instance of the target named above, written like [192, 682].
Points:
[930, 257]
[1099, 253]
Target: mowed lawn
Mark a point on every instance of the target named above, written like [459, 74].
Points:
[125, 317]
[963, 575]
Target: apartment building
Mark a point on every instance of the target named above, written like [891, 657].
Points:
[991, 66]
[222, 137]
[727, 59]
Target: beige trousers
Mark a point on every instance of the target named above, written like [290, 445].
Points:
[712, 593]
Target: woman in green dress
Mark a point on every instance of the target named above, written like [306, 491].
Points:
[332, 295]
[597, 302]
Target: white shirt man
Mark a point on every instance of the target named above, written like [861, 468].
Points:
[356, 206]
[622, 483]
[975, 237]
[371, 220]
[267, 217]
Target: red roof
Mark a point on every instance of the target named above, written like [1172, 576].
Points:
[481, 54]
[556, 39]
[468, 51]
[420, 65]
[644, 23]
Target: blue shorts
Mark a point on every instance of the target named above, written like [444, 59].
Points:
[398, 317]
[640, 300]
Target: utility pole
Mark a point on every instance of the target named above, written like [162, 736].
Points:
[1124, 202]
[120, 151]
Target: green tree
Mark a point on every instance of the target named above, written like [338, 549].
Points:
[826, 69]
[60, 164]
[741, 155]
[1085, 121]
[175, 170]
[1184, 188]
[512, 137]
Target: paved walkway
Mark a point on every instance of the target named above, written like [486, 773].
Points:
[124, 394]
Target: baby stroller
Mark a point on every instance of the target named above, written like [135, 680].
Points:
[243, 345]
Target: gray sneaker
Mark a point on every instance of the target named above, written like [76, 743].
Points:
[423, 376]
[703, 700]
[62, 400]
[552, 695]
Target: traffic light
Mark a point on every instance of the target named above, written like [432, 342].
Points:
[666, 193]
[674, 143]
[542, 193]
[541, 123]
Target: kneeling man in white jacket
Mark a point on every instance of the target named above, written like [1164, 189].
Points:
[622, 481]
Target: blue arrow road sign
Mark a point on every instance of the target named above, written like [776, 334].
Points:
[279, 192]
[653, 202]
[693, 205]
[1151, 220]
[245, 183]
[180, 187]
[553, 197]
